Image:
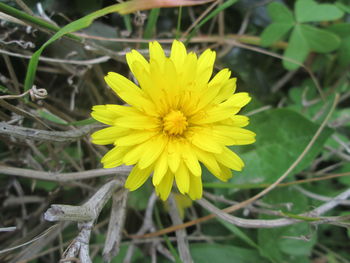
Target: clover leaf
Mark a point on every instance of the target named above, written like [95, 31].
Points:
[304, 38]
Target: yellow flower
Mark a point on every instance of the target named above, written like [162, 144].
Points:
[178, 118]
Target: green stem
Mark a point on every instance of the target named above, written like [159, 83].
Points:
[304, 218]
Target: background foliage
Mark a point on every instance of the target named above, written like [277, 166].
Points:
[291, 56]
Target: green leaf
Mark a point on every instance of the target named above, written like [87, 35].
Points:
[243, 236]
[281, 134]
[209, 253]
[297, 49]
[280, 13]
[274, 32]
[137, 255]
[285, 243]
[341, 29]
[343, 6]
[311, 11]
[344, 52]
[319, 40]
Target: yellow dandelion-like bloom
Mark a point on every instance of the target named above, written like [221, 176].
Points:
[178, 118]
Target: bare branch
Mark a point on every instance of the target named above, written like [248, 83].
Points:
[8, 229]
[115, 226]
[43, 135]
[88, 211]
[64, 177]
[312, 216]
[181, 235]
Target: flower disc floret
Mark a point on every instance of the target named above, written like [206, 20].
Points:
[175, 123]
[178, 118]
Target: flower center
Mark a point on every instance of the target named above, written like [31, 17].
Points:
[175, 122]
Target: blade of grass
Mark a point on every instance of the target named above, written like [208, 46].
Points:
[151, 25]
[178, 26]
[209, 17]
[127, 22]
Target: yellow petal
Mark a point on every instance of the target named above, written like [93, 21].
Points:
[234, 135]
[137, 122]
[151, 148]
[135, 56]
[190, 159]
[114, 157]
[203, 139]
[220, 78]
[129, 92]
[240, 120]
[209, 160]
[155, 147]
[178, 54]
[225, 173]
[208, 95]
[210, 92]
[134, 137]
[147, 83]
[164, 187]
[156, 53]
[108, 135]
[230, 159]
[161, 167]
[137, 177]
[205, 66]
[213, 114]
[105, 113]
[188, 71]
[237, 100]
[174, 155]
[196, 188]
[172, 88]
[227, 89]
[182, 178]
[133, 156]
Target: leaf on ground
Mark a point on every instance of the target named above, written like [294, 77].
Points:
[281, 135]
[208, 253]
[284, 244]
[274, 32]
[311, 11]
[319, 40]
[297, 49]
[280, 13]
